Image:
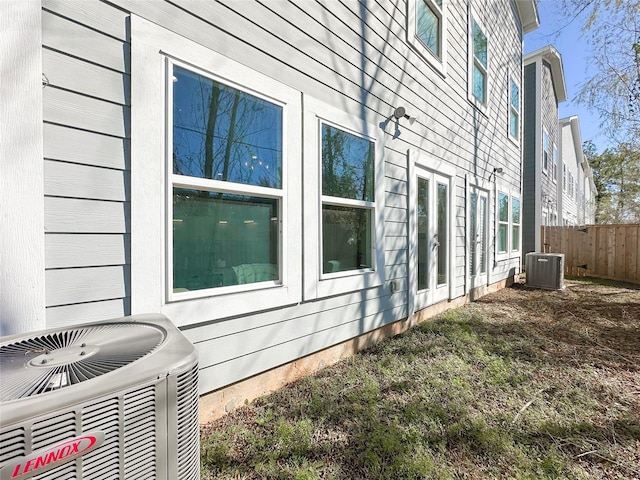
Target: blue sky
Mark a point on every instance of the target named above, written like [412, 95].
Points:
[566, 36]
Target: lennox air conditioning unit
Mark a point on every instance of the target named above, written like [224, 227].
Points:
[545, 270]
[110, 400]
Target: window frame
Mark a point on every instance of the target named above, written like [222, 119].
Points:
[481, 105]
[316, 283]
[511, 193]
[514, 224]
[546, 142]
[554, 163]
[513, 111]
[152, 50]
[438, 62]
[437, 169]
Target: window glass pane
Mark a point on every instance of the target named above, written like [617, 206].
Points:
[347, 165]
[479, 45]
[473, 233]
[515, 96]
[479, 83]
[513, 124]
[346, 238]
[482, 234]
[423, 233]
[503, 207]
[443, 237]
[515, 238]
[502, 237]
[515, 210]
[428, 27]
[221, 239]
[224, 134]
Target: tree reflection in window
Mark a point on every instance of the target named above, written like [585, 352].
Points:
[347, 200]
[222, 133]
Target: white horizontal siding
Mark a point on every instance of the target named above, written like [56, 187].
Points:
[89, 148]
[72, 215]
[66, 36]
[70, 109]
[85, 250]
[76, 285]
[66, 315]
[86, 182]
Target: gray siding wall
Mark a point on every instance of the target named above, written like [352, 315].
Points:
[530, 139]
[86, 183]
[349, 54]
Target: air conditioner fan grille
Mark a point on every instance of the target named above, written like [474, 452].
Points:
[59, 359]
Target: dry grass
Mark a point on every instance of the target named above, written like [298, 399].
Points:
[523, 384]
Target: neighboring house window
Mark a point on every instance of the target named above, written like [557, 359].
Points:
[564, 177]
[216, 207]
[479, 64]
[426, 30]
[514, 111]
[503, 222]
[545, 150]
[344, 202]
[515, 224]
[570, 184]
[554, 167]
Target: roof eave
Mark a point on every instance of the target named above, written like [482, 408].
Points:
[528, 10]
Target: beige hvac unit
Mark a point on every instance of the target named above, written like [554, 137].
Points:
[545, 270]
[110, 400]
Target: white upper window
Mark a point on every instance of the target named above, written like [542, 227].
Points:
[514, 110]
[426, 30]
[478, 63]
[344, 202]
[215, 206]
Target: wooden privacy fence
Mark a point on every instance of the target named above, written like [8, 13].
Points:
[605, 251]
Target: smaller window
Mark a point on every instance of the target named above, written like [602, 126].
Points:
[545, 150]
[347, 201]
[514, 111]
[564, 177]
[426, 29]
[503, 222]
[554, 167]
[515, 224]
[480, 63]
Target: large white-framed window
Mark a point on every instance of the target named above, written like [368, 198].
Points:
[514, 111]
[426, 30]
[215, 193]
[344, 202]
[545, 150]
[432, 185]
[478, 63]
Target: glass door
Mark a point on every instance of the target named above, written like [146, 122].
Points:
[478, 226]
[431, 238]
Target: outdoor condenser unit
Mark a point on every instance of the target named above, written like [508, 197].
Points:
[545, 270]
[110, 400]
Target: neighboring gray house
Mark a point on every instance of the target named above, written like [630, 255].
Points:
[576, 203]
[253, 170]
[544, 89]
